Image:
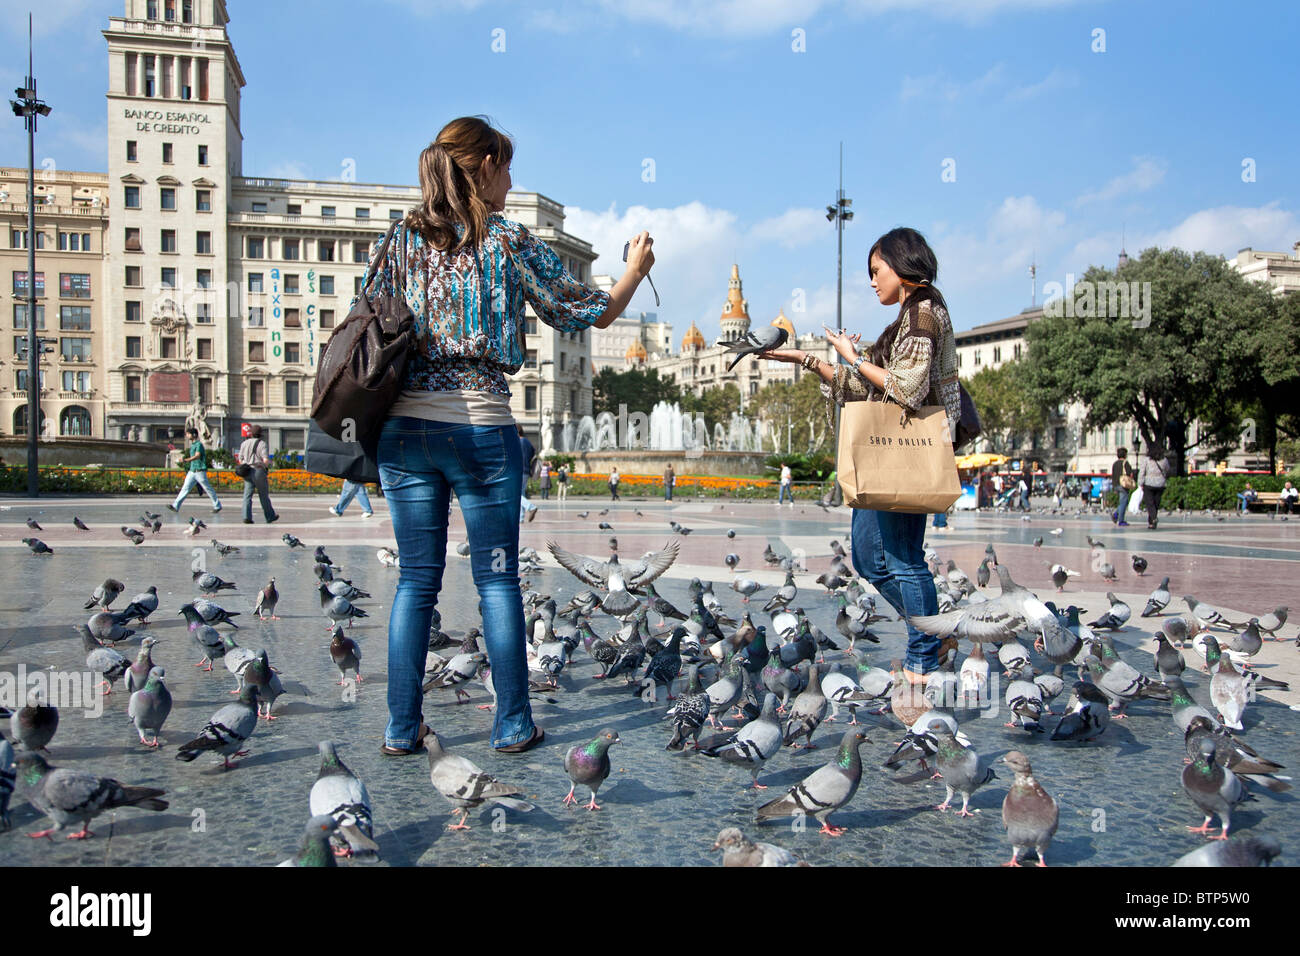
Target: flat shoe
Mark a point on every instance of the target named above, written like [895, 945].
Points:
[389, 751]
[538, 736]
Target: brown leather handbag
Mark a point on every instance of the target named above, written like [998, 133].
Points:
[363, 365]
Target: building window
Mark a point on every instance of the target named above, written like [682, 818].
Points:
[75, 349]
[530, 398]
[362, 212]
[254, 247]
[257, 351]
[1058, 438]
[291, 249]
[292, 390]
[256, 393]
[356, 285]
[167, 347]
[293, 354]
[325, 250]
[255, 282]
[166, 148]
[170, 10]
[76, 381]
[203, 200]
[134, 347]
[20, 317]
[959, 357]
[167, 277]
[132, 197]
[255, 320]
[203, 155]
[133, 276]
[573, 399]
[259, 207]
[203, 313]
[327, 318]
[530, 358]
[74, 242]
[293, 209]
[1016, 350]
[74, 318]
[133, 388]
[977, 357]
[167, 197]
[997, 353]
[187, 11]
[203, 243]
[133, 239]
[327, 212]
[205, 391]
[132, 151]
[361, 252]
[18, 239]
[581, 364]
[326, 285]
[203, 78]
[394, 214]
[167, 241]
[292, 319]
[203, 278]
[290, 283]
[150, 78]
[530, 325]
[74, 285]
[203, 350]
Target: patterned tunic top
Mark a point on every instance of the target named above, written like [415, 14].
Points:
[921, 370]
[469, 306]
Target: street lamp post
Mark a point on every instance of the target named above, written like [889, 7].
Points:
[29, 107]
[839, 214]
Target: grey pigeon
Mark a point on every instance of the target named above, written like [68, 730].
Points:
[207, 637]
[1229, 693]
[465, 785]
[315, 849]
[33, 725]
[81, 525]
[292, 541]
[106, 628]
[1249, 641]
[210, 583]
[338, 609]
[960, 766]
[1024, 698]
[1271, 622]
[1185, 709]
[338, 793]
[824, 790]
[1087, 715]
[6, 780]
[1158, 601]
[31, 523]
[588, 764]
[806, 712]
[1243, 851]
[150, 706]
[134, 534]
[141, 606]
[226, 732]
[104, 661]
[237, 660]
[753, 342]
[1029, 813]
[267, 598]
[67, 796]
[784, 595]
[346, 655]
[138, 672]
[341, 587]
[1114, 618]
[214, 614]
[614, 576]
[752, 745]
[37, 546]
[460, 669]
[105, 594]
[738, 850]
[1169, 659]
[1208, 616]
[1213, 788]
[689, 712]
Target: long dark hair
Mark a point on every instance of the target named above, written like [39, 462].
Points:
[910, 256]
[451, 194]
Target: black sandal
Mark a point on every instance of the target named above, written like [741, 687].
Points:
[524, 745]
[390, 751]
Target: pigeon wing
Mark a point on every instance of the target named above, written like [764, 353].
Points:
[586, 570]
[643, 572]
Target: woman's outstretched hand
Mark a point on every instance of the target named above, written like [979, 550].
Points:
[793, 356]
[845, 344]
[640, 255]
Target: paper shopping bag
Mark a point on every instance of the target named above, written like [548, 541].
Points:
[894, 460]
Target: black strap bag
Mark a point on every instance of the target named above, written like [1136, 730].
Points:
[351, 460]
[363, 364]
[968, 427]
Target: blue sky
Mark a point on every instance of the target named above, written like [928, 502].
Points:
[1056, 147]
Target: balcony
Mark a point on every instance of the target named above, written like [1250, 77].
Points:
[45, 210]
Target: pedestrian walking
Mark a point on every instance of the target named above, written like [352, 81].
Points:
[526, 508]
[786, 478]
[453, 257]
[255, 455]
[613, 484]
[562, 483]
[1154, 474]
[670, 479]
[197, 457]
[350, 490]
[544, 480]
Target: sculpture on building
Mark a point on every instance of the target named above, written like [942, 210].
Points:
[198, 420]
[548, 432]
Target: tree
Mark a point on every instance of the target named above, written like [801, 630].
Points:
[1004, 404]
[639, 389]
[1167, 371]
[715, 404]
[799, 405]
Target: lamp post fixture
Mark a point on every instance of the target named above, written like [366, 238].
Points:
[29, 107]
[839, 214]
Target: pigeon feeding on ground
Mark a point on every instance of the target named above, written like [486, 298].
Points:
[105, 594]
[209, 583]
[136, 536]
[214, 613]
[105, 661]
[465, 785]
[107, 628]
[38, 546]
[315, 849]
[66, 796]
[824, 790]
[141, 606]
[588, 764]
[33, 726]
[339, 794]
[205, 635]
[738, 850]
[754, 342]
[1087, 714]
[224, 549]
[226, 732]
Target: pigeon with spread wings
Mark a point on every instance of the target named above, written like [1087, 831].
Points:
[614, 576]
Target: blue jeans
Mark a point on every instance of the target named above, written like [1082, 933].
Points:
[420, 464]
[941, 519]
[350, 490]
[888, 552]
[525, 505]
[193, 478]
[785, 490]
[1125, 494]
[257, 482]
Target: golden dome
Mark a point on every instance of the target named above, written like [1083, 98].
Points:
[781, 322]
[636, 352]
[694, 339]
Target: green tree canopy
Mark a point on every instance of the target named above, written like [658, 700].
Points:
[797, 414]
[639, 389]
[715, 404]
[1005, 404]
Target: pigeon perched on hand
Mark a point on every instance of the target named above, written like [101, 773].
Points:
[753, 342]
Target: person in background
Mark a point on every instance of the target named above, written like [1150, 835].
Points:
[562, 482]
[786, 478]
[1058, 498]
[1121, 478]
[941, 521]
[1154, 474]
[255, 453]
[1027, 485]
[197, 474]
[670, 479]
[613, 484]
[985, 490]
[1246, 497]
[526, 452]
[997, 484]
[350, 490]
[1287, 502]
[544, 480]
[1085, 491]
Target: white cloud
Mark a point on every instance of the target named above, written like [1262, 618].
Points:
[940, 86]
[287, 169]
[717, 16]
[1147, 172]
[794, 227]
[1056, 80]
[1226, 229]
[1016, 233]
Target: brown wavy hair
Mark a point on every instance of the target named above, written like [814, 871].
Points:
[449, 181]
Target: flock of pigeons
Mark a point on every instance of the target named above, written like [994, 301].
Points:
[750, 691]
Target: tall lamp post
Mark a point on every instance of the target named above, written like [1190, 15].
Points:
[839, 214]
[29, 107]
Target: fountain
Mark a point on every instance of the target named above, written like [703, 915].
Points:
[638, 443]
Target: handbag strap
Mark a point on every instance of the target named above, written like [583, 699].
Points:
[373, 269]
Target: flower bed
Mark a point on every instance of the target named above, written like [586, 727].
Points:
[703, 486]
[157, 481]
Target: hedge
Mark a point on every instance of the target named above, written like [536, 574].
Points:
[1198, 492]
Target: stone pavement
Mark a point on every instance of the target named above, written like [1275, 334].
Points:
[1121, 800]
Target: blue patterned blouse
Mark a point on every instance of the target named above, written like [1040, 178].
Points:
[469, 306]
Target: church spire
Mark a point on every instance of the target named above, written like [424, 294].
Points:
[735, 314]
